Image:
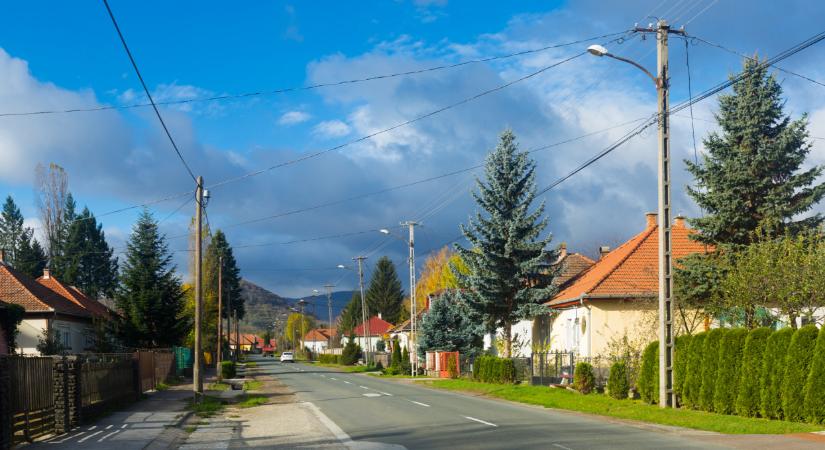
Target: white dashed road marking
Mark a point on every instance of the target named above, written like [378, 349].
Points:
[371, 394]
[107, 435]
[125, 425]
[347, 382]
[363, 387]
[562, 447]
[91, 436]
[333, 378]
[481, 421]
[110, 426]
[388, 395]
[419, 403]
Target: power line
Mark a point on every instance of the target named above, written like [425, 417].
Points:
[146, 90]
[313, 86]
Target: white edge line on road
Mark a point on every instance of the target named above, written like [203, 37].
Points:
[333, 428]
[333, 378]
[107, 435]
[419, 403]
[481, 421]
[345, 381]
[387, 394]
[69, 436]
[363, 387]
[91, 428]
[562, 447]
[110, 426]
[90, 436]
[125, 425]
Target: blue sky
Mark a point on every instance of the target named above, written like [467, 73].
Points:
[56, 55]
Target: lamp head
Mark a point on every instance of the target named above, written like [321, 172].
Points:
[597, 50]
[341, 266]
[384, 231]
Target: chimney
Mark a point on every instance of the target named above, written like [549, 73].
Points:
[562, 250]
[2, 256]
[379, 315]
[679, 221]
[651, 219]
[46, 274]
[603, 251]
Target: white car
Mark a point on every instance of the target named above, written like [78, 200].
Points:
[287, 357]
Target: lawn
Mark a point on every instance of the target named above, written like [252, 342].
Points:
[252, 400]
[349, 369]
[252, 385]
[624, 409]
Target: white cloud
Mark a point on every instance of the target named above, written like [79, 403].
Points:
[294, 117]
[331, 129]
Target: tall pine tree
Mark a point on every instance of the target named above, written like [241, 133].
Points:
[506, 247]
[751, 175]
[384, 294]
[85, 259]
[30, 258]
[150, 297]
[351, 315]
[23, 251]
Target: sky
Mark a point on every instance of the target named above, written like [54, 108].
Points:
[66, 55]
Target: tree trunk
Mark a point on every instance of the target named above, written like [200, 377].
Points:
[508, 340]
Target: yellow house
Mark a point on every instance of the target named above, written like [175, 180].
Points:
[615, 300]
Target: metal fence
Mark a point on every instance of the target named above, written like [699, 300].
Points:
[31, 397]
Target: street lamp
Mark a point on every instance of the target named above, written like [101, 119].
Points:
[662, 30]
[364, 315]
[413, 306]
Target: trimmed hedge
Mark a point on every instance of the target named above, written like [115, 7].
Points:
[692, 384]
[227, 369]
[618, 384]
[727, 373]
[773, 372]
[680, 357]
[710, 364]
[491, 369]
[328, 359]
[583, 379]
[797, 367]
[748, 396]
[815, 386]
[648, 384]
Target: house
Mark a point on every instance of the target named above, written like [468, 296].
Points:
[378, 327]
[250, 343]
[527, 334]
[318, 340]
[50, 307]
[618, 296]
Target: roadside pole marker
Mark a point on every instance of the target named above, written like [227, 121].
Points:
[481, 421]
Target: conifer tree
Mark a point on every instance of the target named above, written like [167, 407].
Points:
[384, 294]
[150, 297]
[506, 247]
[85, 259]
[23, 251]
[31, 258]
[752, 175]
[450, 325]
[351, 315]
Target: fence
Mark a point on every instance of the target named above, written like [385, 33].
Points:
[31, 411]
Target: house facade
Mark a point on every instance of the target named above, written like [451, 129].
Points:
[318, 340]
[616, 299]
[378, 327]
[51, 307]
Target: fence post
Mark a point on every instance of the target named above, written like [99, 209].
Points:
[61, 400]
[75, 390]
[5, 404]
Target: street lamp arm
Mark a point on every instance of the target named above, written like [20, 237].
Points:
[634, 63]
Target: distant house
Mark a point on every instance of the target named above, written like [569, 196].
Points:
[617, 296]
[378, 327]
[318, 340]
[50, 307]
[250, 343]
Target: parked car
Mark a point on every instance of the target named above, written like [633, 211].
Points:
[287, 357]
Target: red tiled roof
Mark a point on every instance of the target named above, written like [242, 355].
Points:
[377, 327]
[631, 270]
[246, 339]
[572, 265]
[75, 295]
[20, 289]
[318, 334]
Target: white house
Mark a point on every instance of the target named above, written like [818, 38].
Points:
[378, 327]
[318, 340]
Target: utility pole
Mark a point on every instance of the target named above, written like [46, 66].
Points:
[329, 311]
[413, 306]
[364, 314]
[303, 324]
[219, 352]
[196, 370]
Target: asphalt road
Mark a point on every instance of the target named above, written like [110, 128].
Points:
[389, 412]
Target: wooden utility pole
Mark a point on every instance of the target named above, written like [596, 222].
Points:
[219, 352]
[197, 368]
[329, 312]
[364, 314]
[413, 305]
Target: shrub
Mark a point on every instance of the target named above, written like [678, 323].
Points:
[618, 384]
[452, 367]
[747, 398]
[797, 367]
[727, 373]
[815, 386]
[227, 369]
[773, 372]
[406, 366]
[692, 384]
[583, 379]
[710, 364]
[680, 357]
[490, 369]
[648, 384]
[328, 359]
[395, 361]
[506, 370]
[350, 353]
[379, 366]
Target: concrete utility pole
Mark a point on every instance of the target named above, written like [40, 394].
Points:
[364, 313]
[413, 305]
[219, 352]
[303, 325]
[237, 335]
[329, 311]
[196, 369]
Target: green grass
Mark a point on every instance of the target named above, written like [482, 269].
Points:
[218, 387]
[161, 386]
[251, 364]
[207, 407]
[381, 375]
[625, 409]
[252, 385]
[349, 369]
[252, 400]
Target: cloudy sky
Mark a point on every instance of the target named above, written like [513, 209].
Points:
[60, 55]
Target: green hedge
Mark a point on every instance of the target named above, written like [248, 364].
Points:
[693, 371]
[815, 386]
[227, 369]
[491, 369]
[727, 373]
[680, 358]
[648, 384]
[583, 379]
[618, 384]
[710, 364]
[350, 353]
[773, 372]
[328, 359]
[797, 367]
[748, 395]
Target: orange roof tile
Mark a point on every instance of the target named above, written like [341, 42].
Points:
[317, 335]
[377, 327]
[20, 289]
[75, 295]
[631, 270]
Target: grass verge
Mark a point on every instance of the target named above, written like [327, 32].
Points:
[207, 407]
[349, 369]
[218, 387]
[252, 385]
[251, 400]
[624, 409]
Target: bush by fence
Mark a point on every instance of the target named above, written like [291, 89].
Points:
[618, 383]
[710, 364]
[773, 373]
[748, 397]
[328, 359]
[491, 369]
[797, 367]
[815, 386]
[228, 369]
[692, 384]
[649, 376]
[583, 379]
[680, 358]
[727, 373]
